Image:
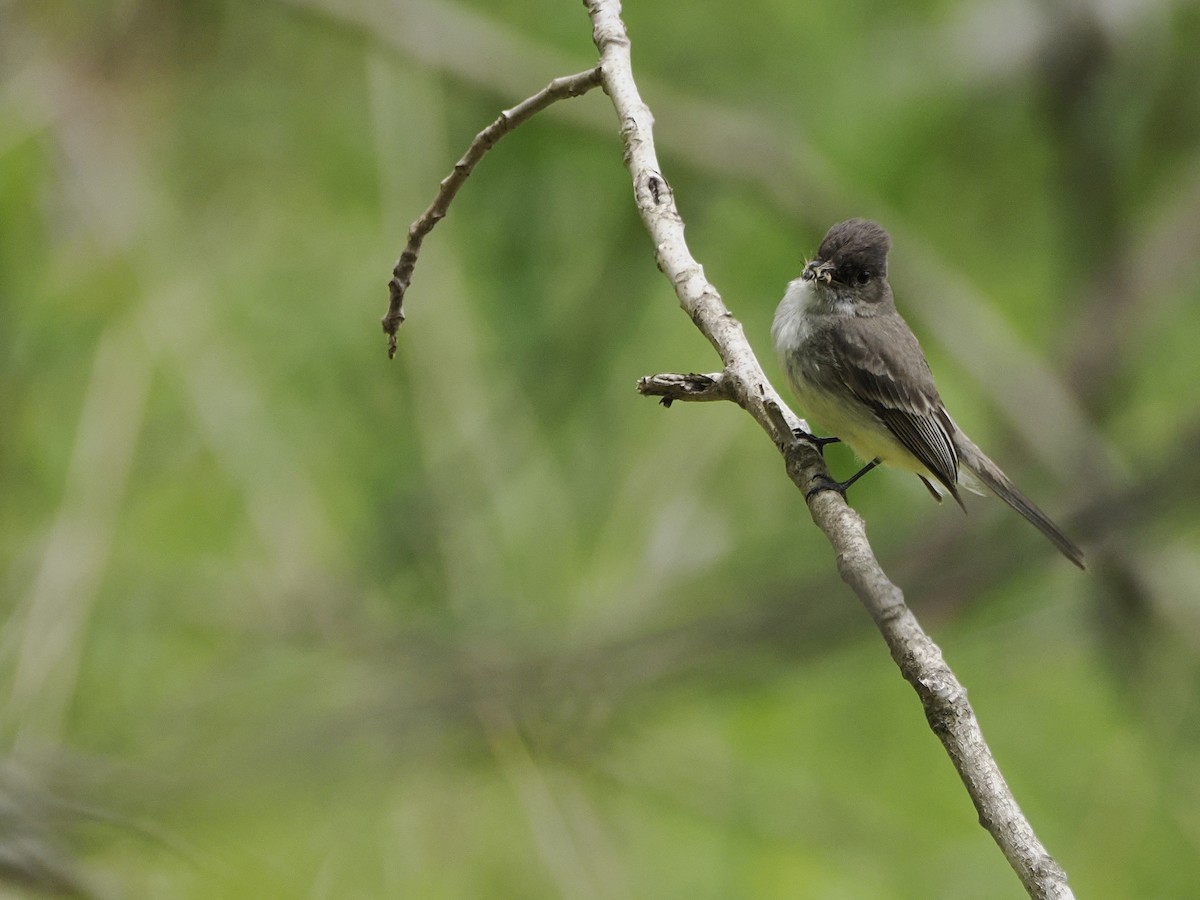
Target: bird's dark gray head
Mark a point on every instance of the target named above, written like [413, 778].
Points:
[857, 243]
[852, 262]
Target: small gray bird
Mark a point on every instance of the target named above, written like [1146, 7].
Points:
[857, 369]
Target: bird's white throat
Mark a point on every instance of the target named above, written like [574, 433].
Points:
[792, 326]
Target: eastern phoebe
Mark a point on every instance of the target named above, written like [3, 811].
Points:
[857, 369]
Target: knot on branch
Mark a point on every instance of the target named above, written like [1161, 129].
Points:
[654, 187]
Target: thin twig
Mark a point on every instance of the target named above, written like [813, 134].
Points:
[920, 661]
[558, 89]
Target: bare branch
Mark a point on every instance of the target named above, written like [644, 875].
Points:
[558, 89]
[743, 381]
[920, 661]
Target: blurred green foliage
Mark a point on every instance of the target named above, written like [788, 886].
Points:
[284, 619]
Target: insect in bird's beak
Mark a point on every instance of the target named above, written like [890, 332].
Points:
[818, 271]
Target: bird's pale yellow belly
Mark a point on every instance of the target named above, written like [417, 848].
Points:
[858, 428]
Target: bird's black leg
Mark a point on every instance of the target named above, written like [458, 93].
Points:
[825, 483]
[818, 442]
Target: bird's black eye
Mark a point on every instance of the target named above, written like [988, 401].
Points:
[862, 276]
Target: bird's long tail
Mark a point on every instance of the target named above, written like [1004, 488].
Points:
[978, 463]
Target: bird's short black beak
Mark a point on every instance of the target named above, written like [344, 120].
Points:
[818, 271]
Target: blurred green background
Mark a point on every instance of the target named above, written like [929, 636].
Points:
[284, 619]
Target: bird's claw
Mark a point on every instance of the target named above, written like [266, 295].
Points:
[825, 483]
[818, 442]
